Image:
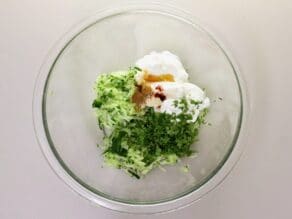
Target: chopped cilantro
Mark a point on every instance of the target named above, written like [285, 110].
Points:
[196, 102]
[137, 68]
[156, 136]
[185, 169]
[175, 103]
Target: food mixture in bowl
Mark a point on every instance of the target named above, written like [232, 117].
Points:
[150, 114]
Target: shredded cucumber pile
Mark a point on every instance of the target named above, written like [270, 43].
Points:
[139, 141]
[113, 98]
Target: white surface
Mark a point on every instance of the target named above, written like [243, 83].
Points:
[258, 33]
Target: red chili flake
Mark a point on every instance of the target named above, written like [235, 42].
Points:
[158, 87]
[161, 96]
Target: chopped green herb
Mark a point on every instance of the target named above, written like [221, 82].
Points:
[185, 169]
[196, 102]
[146, 142]
[176, 103]
[137, 68]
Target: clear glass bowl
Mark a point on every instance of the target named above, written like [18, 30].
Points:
[113, 39]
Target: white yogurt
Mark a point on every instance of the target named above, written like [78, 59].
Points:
[176, 91]
[168, 63]
[163, 63]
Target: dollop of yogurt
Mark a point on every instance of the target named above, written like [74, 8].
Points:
[176, 91]
[165, 94]
[163, 63]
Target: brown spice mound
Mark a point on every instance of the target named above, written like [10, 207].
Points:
[144, 91]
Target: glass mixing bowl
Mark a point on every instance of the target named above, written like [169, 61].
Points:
[67, 129]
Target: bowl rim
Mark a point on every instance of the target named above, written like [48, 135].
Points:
[212, 181]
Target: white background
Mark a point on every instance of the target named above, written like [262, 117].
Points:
[257, 32]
